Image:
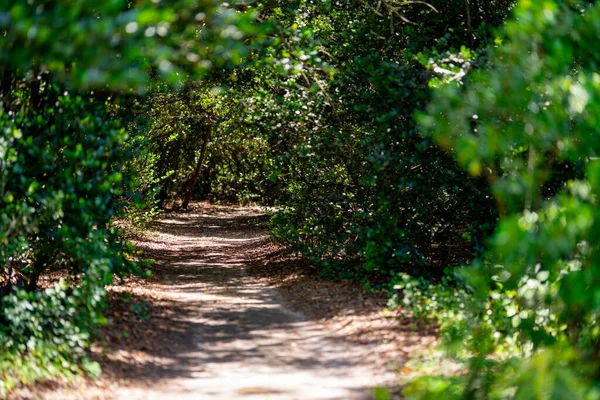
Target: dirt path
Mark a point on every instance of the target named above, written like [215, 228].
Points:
[243, 342]
[217, 331]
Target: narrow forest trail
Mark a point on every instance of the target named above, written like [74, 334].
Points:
[230, 317]
[239, 339]
[243, 341]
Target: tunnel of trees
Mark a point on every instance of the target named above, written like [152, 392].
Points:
[444, 152]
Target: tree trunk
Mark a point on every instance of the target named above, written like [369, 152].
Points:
[194, 179]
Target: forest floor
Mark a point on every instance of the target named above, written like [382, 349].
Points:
[227, 314]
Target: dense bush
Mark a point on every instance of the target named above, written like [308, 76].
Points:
[362, 192]
[61, 171]
[529, 328]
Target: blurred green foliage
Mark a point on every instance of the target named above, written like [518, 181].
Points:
[117, 43]
[530, 328]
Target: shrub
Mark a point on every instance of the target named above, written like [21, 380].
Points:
[531, 115]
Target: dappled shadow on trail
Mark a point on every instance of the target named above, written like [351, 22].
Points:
[216, 332]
